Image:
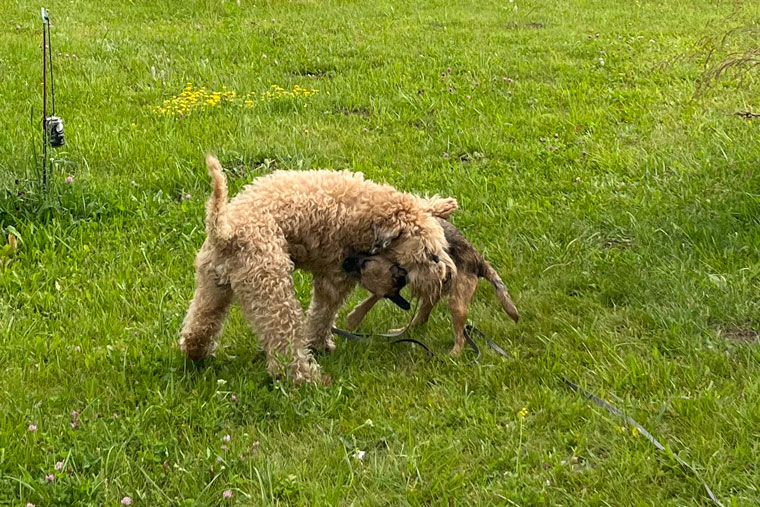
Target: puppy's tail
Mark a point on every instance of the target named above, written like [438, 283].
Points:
[492, 276]
[216, 206]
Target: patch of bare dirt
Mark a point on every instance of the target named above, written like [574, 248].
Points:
[621, 243]
[741, 334]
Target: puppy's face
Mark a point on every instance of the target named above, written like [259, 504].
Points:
[378, 275]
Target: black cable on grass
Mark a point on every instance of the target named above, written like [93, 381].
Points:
[52, 126]
[44, 101]
[50, 59]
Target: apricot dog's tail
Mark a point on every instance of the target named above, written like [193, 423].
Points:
[492, 276]
[216, 206]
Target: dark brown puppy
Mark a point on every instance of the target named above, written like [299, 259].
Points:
[460, 288]
[381, 277]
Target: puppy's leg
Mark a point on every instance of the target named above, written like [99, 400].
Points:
[357, 315]
[422, 315]
[462, 290]
[426, 306]
[263, 284]
[327, 296]
[208, 309]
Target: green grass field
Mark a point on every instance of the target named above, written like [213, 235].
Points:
[621, 207]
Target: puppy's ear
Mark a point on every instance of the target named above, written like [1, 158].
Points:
[383, 237]
[441, 207]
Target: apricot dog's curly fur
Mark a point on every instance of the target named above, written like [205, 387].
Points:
[309, 220]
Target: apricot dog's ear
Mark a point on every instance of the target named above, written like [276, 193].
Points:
[441, 207]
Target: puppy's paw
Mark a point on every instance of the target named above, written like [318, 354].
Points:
[456, 350]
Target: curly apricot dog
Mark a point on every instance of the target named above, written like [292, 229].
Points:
[309, 220]
[380, 276]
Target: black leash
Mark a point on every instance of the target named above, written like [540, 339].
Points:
[472, 343]
[632, 422]
[430, 354]
[367, 337]
[470, 330]
[348, 335]
[598, 401]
